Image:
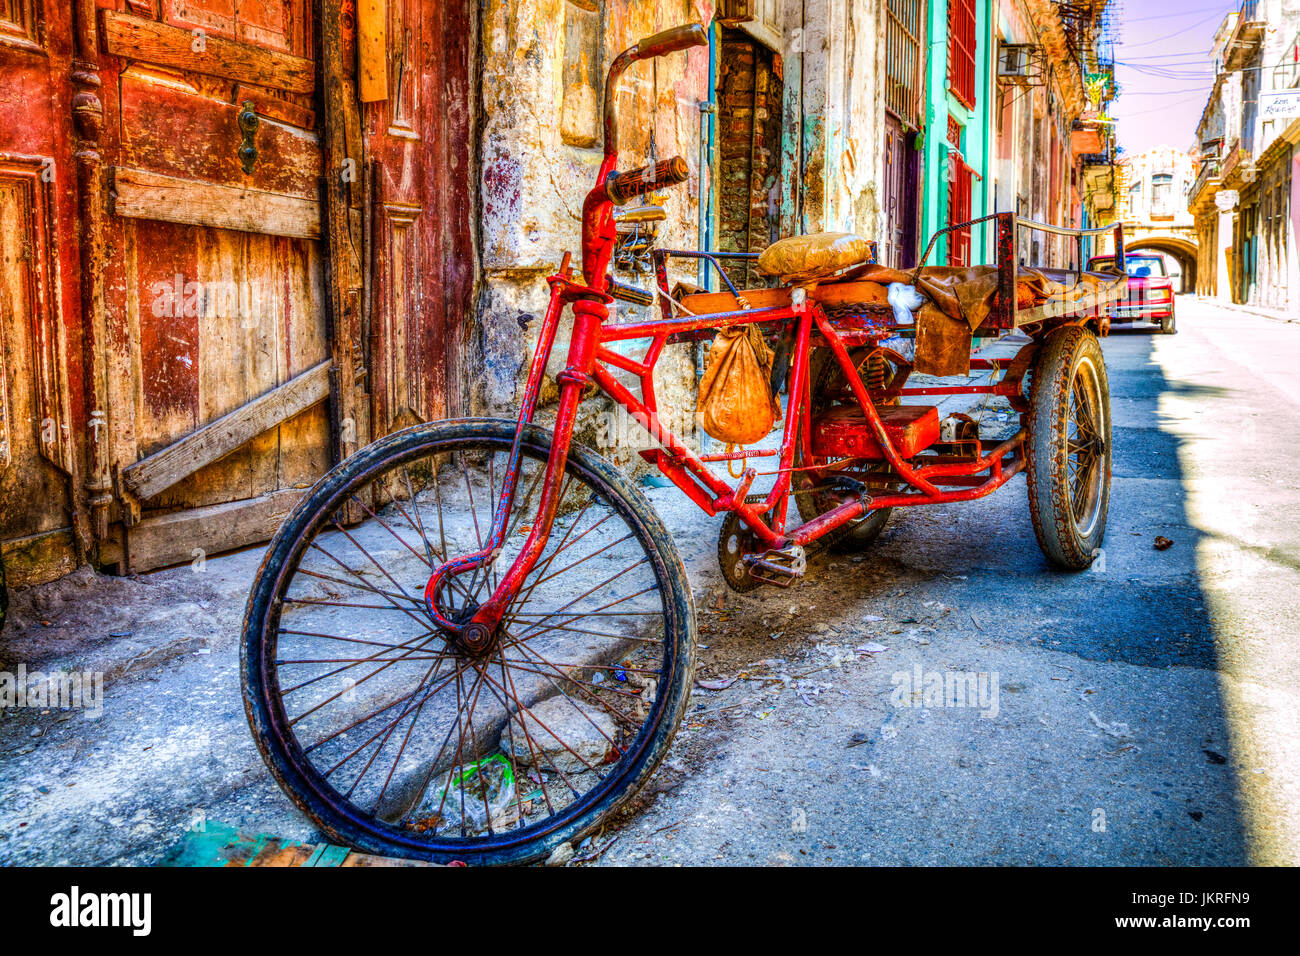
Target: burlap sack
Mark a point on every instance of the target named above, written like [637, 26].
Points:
[736, 405]
[802, 259]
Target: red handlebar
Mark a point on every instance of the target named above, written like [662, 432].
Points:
[622, 187]
[670, 41]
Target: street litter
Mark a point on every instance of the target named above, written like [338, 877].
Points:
[719, 684]
[488, 781]
[1117, 729]
[561, 855]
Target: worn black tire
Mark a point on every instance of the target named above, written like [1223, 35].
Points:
[267, 718]
[1068, 357]
[1169, 326]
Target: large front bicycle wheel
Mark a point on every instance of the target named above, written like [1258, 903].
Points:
[394, 737]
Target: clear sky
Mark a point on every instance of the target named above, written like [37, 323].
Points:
[1163, 67]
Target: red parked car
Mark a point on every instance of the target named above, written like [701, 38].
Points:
[1150, 295]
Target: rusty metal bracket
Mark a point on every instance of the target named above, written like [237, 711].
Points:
[248, 123]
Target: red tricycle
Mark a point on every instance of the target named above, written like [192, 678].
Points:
[474, 639]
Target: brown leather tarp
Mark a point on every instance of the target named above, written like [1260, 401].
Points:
[959, 300]
[967, 292]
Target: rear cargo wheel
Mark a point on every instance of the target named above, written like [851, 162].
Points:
[1069, 448]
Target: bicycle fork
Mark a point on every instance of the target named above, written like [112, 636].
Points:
[590, 309]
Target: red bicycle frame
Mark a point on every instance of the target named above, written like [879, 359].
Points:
[591, 357]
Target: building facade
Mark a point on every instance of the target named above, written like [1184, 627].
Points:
[1013, 124]
[241, 242]
[1245, 200]
[1153, 194]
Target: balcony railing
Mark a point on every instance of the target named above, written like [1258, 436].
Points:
[1247, 33]
[1211, 168]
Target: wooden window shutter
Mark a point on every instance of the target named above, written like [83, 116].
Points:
[962, 41]
[960, 183]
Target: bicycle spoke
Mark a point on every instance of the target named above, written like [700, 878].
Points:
[545, 663]
[321, 677]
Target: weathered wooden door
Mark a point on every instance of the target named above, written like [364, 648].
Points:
[265, 312]
[420, 200]
[217, 248]
[217, 288]
[900, 195]
[38, 526]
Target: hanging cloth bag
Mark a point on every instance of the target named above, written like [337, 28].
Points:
[736, 405]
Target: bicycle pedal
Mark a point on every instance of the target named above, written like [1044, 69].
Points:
[780, 566]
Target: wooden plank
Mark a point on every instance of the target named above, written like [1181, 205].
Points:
[342, 275]
[161, 470]
[288, 158]
[185, 536]
[277, 109]
[143, 195]
[372, 50]
[147, 41]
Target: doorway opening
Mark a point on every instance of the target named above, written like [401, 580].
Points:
[750, 90]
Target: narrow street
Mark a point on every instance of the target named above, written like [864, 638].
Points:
[1158, 690]
[1144, 712]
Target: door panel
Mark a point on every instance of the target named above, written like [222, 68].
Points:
[421, 197]
[33, 490]
[222, 317]
[902, 163]
[155, 104]
[222, 290]
[39, 531]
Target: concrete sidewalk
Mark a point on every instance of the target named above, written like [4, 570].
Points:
[1281, 315]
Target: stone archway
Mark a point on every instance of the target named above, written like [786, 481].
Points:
[1182, 250]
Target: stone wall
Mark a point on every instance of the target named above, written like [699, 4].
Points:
[819, 160]
[544, 63]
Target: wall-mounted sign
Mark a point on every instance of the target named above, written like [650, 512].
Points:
[1279, 104]
[1226, 200]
